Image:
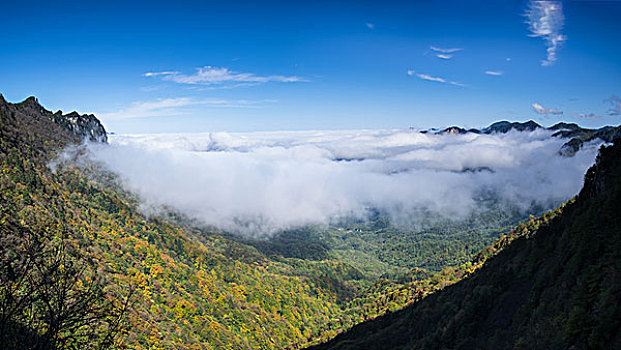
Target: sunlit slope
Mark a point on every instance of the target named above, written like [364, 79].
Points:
[185, 293]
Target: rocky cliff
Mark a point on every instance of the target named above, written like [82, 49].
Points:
[72, 127]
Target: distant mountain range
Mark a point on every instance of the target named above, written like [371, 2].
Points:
[88, 127]
[577, 134]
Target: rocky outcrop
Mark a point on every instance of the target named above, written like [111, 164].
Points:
[87, 127]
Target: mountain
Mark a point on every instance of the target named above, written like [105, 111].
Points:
[555, 286]
[505, 126]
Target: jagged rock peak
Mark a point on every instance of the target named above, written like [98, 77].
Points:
[86, 126]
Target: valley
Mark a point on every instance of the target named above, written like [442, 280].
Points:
[166, 281]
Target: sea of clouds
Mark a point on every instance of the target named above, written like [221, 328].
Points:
[262, 182]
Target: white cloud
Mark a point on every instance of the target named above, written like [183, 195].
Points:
[445, 51]
[435, 79]
[508, 59]
[539, 109]
[546, 20]
[370, 25]
[431, 78]
[257, 183]
[444, 56]
[615, 101]
[170, 107]
[209, 75]
[493, 72]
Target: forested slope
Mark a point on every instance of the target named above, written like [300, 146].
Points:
[82, 267]
[554, 286]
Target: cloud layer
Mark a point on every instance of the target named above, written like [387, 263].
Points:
[546, 21]
[258, 183]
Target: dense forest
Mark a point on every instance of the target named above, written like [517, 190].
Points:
[82, 267]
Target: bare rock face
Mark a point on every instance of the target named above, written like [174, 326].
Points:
[86, 126]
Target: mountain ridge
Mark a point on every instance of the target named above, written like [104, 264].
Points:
[73, 127]
[576, 134]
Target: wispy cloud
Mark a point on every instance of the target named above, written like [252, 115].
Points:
[209, 75]
[539, 109]
[444, 50]
[546, 20]
[171, 107]
[155, 74]
[615, 101]
[370, 25]
[493, 72]
[591, 116]
[444, 53]
[435, 79]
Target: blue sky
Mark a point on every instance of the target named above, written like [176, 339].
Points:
[242, 66]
